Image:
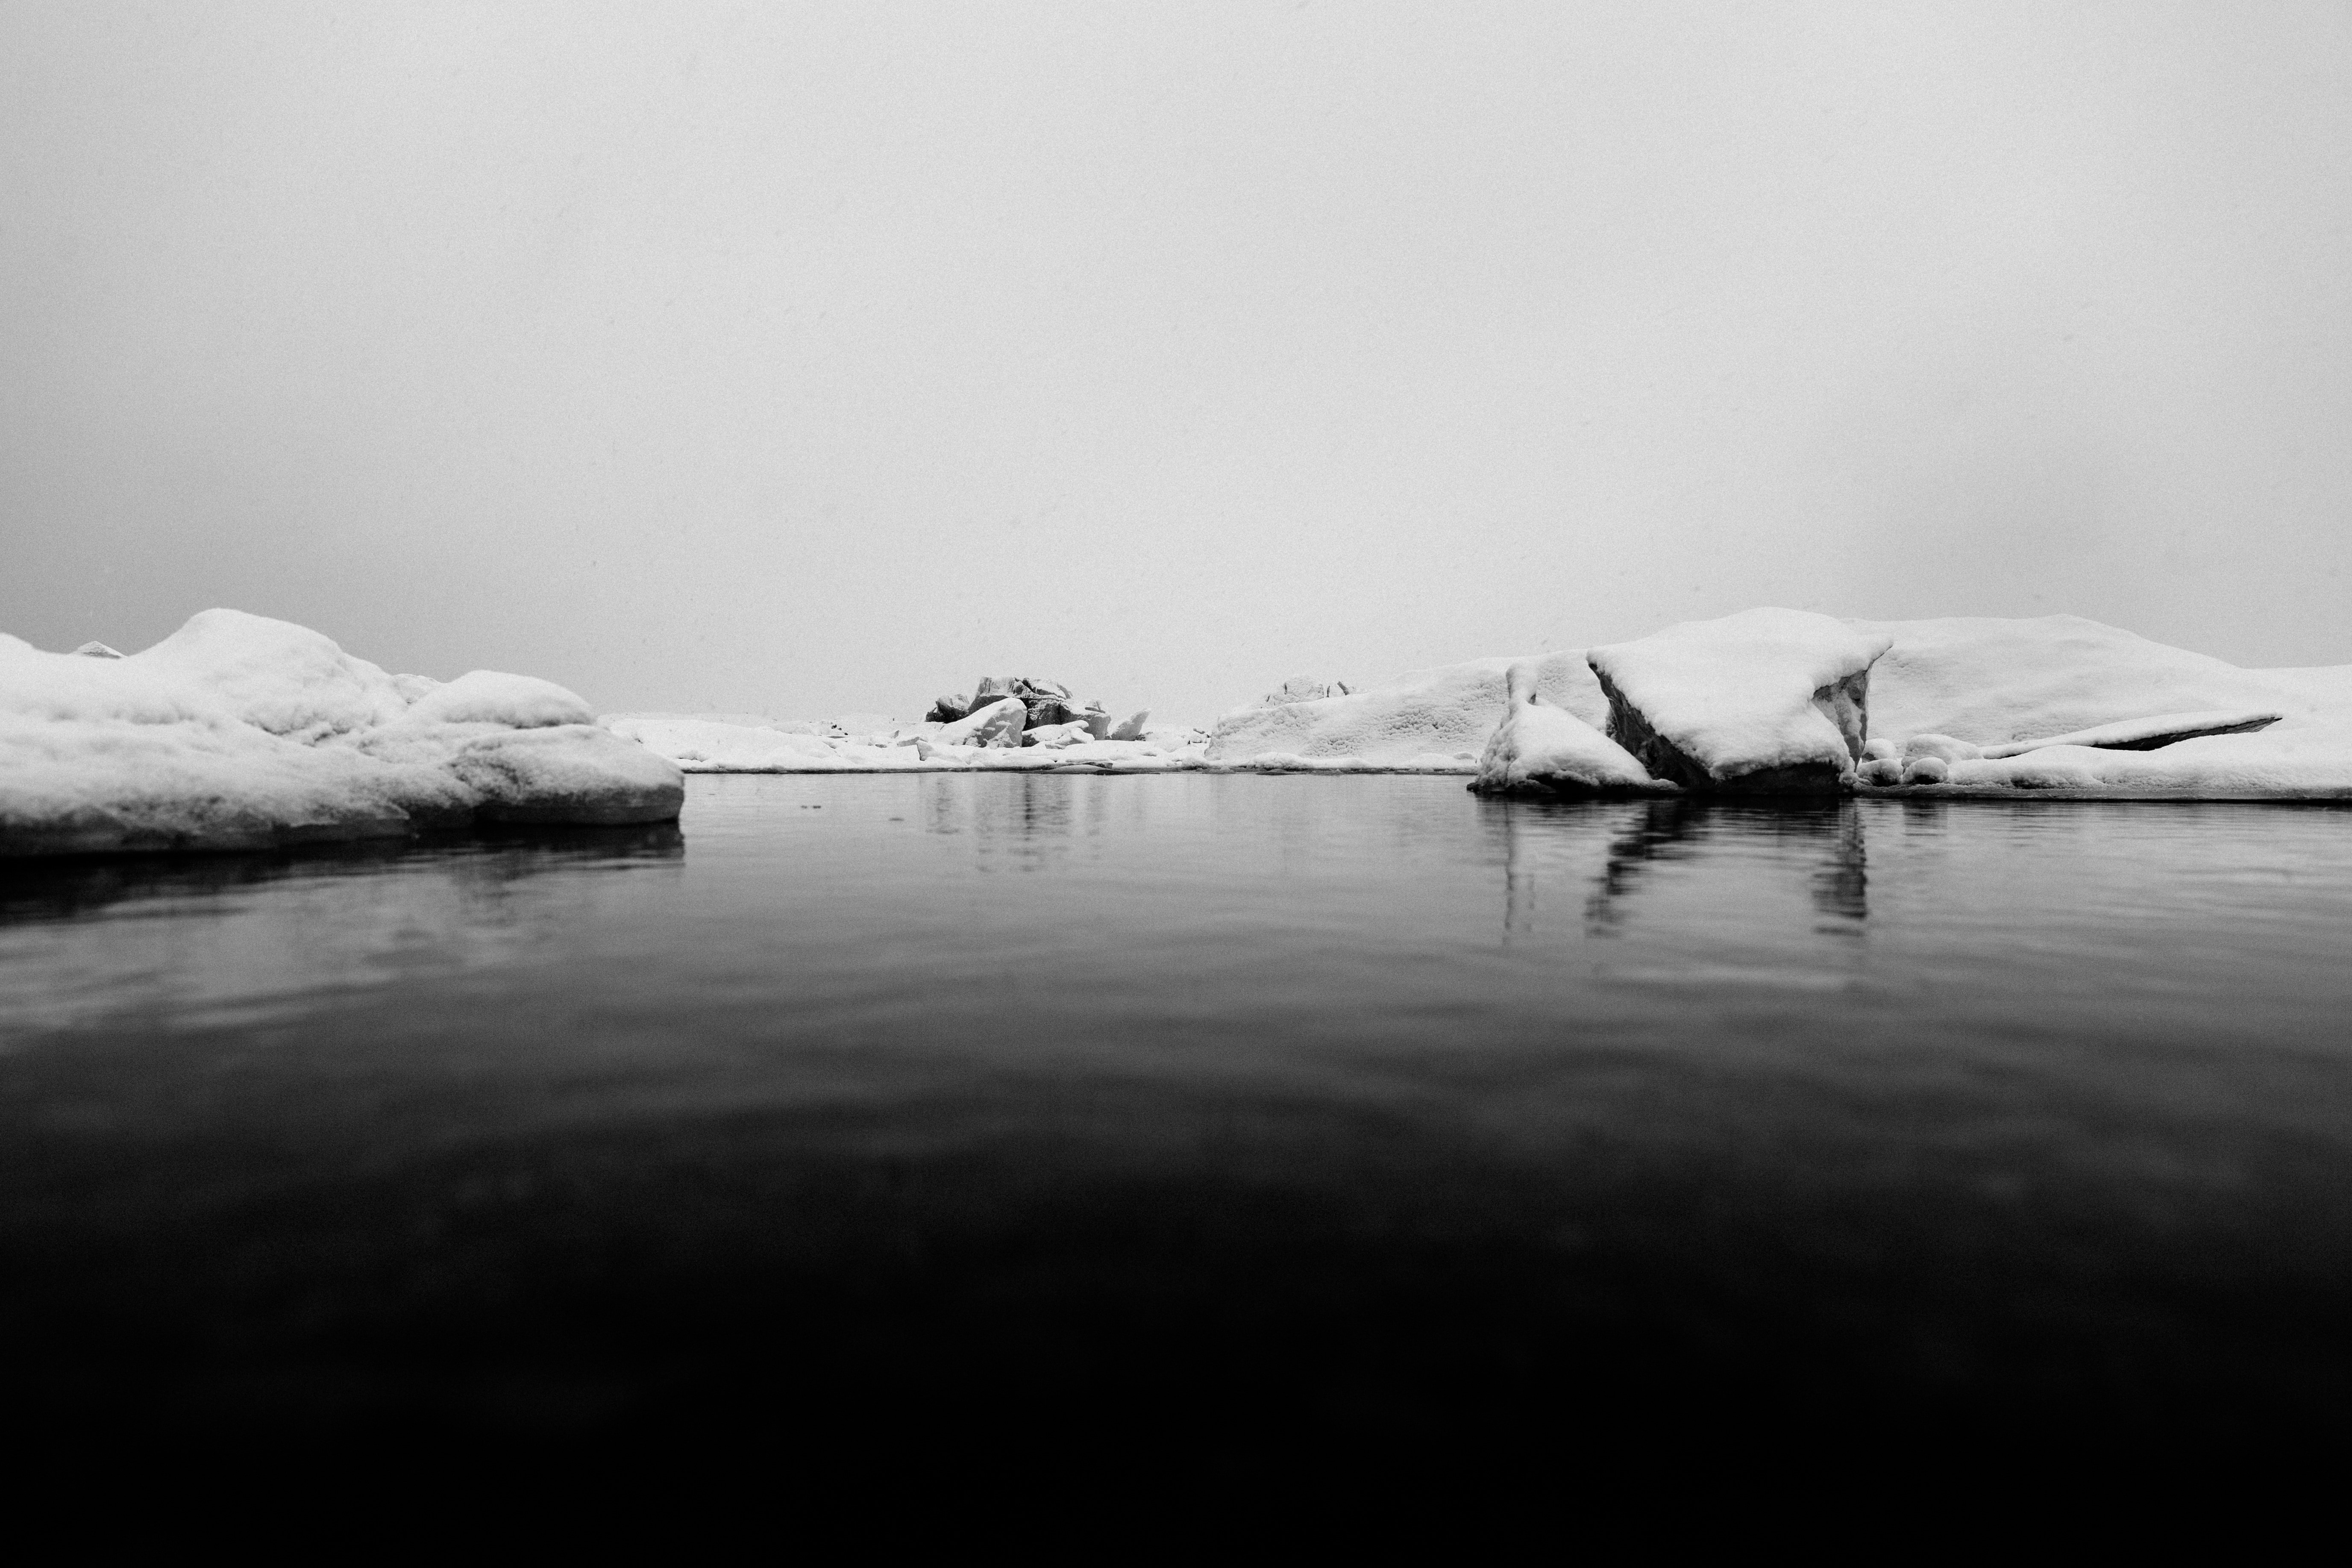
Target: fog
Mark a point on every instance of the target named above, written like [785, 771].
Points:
[815, 359]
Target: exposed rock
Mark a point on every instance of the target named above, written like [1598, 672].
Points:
[948, 709]
[1543, 749]
[1766, 701]
[96, 650]
[998, 724]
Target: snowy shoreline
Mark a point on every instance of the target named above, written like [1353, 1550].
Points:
[240, 732]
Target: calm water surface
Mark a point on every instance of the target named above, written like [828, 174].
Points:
[1358, 1096]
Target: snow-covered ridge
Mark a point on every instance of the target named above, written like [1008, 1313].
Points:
[237, 732]
[1768, 690]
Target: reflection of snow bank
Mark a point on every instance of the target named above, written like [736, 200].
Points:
[237, 732]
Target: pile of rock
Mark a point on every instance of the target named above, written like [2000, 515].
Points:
[1022, 710]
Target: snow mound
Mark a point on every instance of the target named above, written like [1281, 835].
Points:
[1765, 700]
[237, 732]
[1543, 749]
[2152, 734]
[2064, 704]
[1435, 720]
[1992, 682]
[721, 747]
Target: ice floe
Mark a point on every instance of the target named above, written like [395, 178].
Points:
[238, 731]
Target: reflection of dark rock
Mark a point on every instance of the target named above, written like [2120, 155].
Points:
[1671, 829]
[1842, 887]
[1654, 834]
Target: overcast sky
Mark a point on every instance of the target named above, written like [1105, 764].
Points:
[810, 359]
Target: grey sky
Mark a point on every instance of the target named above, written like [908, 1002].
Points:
[813, 358]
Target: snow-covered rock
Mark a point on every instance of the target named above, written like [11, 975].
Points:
[96, 650]
[1765, 700]
[1540, 749]
[1435, 720]
[238, 731]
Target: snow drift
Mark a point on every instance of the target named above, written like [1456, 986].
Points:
[1543, 749]
[1434, 721]
[2101, 708]
[238, 731]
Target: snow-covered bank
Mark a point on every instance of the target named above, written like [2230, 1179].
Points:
[746, 744]
[1428, 720]
[1768, 693]
[1963, 691]
[240, 732]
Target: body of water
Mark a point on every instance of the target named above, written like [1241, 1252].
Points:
[1277, 1106]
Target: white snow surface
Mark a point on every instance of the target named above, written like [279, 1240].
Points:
[1949, 689]
[1433, 721]
[239, 731]
[1540, 746]
[2126, 733]
[1990, 683]
[1736, 695]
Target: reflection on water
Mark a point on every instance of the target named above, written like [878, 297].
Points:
[1935, 1091]
[1545, 845]
[200, 940]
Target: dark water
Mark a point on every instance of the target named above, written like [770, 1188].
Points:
[928, 1109]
